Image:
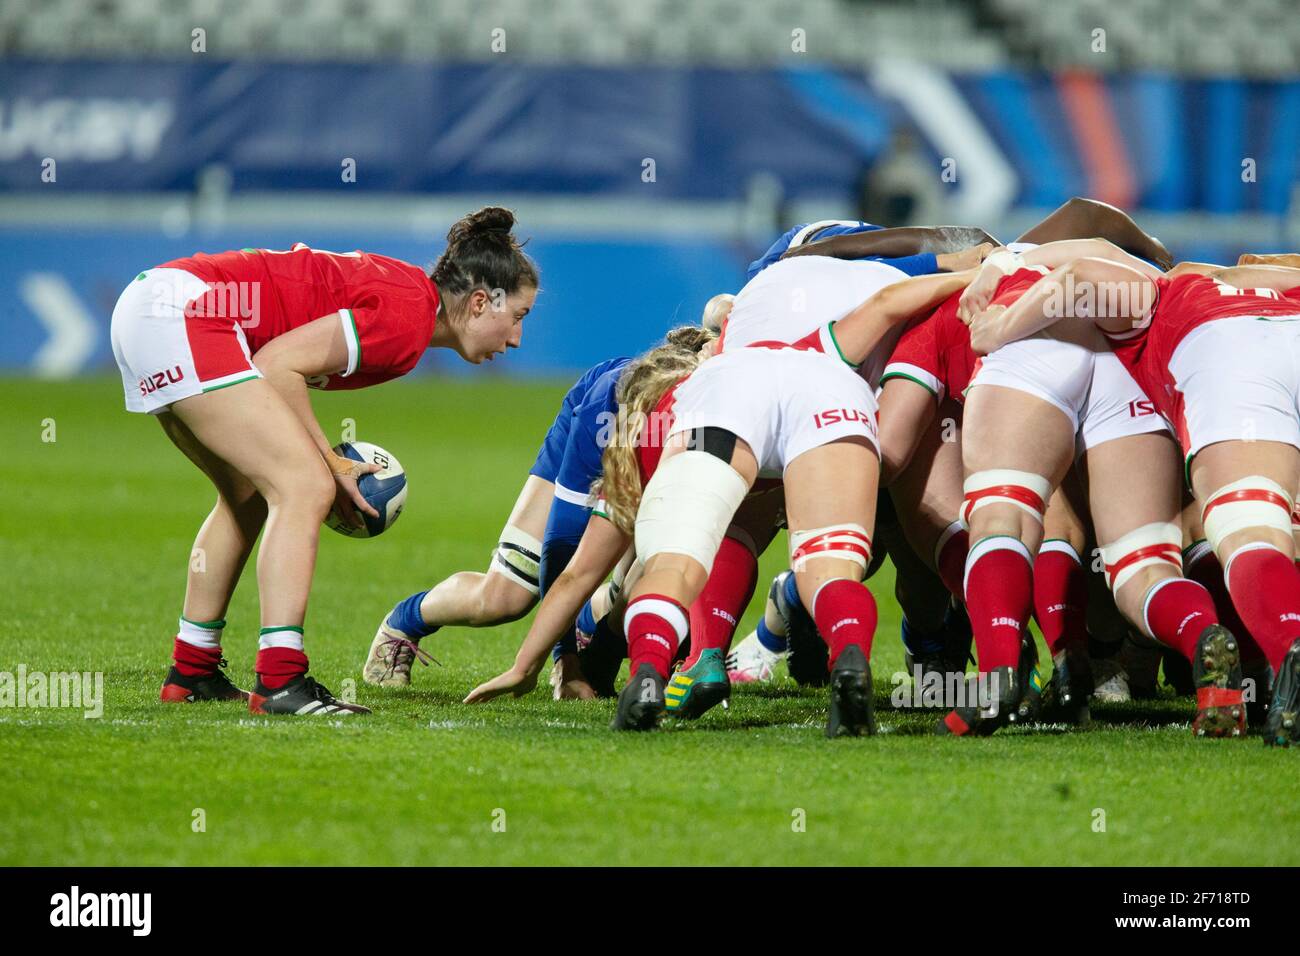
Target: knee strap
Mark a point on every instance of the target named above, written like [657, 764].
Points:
[1160, 542]
[518, 556]
[1024, 489]
[847, 542]
[1254, 502]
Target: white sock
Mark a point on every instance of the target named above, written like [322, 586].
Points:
[280, 637]
[206, 636]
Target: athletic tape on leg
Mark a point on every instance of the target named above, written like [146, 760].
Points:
[1160, 542]
[1254, 502]
[518, 556]
[1024, 489]
[687, 506]
[847, 542]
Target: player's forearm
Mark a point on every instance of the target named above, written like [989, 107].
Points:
[884, 243]
[1279, 278]
[1030, 314]
[1081, 216]
[894, 243]
[1055, 254]
[904, 301]
[890, 243]
[555, 615]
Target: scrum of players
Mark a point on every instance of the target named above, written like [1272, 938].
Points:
[1068, 428]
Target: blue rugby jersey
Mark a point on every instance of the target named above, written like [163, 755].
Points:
[923, 263]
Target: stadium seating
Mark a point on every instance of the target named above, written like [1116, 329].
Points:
[1251, 36]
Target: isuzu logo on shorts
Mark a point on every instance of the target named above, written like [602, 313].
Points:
[1138, 408]
[836, 416]
[159, 380]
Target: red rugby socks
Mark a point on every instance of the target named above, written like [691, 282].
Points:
[280, 656]
[1061, 596]
[999, 596]
[845, 612]
[1176, 611]
[197, 648]
[726, 594]
[950, 558]
[655, 625]
[1201, 565]
[1265, 588]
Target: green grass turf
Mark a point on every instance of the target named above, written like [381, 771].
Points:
[94, 539]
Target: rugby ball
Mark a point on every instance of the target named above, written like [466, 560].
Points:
[385, 490]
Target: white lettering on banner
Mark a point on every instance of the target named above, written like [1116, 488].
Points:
[91, 129]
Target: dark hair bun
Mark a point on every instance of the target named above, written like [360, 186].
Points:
[483, 253]
[489, 219]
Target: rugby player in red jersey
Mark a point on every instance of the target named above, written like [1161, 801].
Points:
[1071, 399]
[921, 467]
[1219, 356]
[797, 411]
[223, 348]
[923, 393]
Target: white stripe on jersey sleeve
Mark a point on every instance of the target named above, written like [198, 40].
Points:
[353, 342]
[580, 498]
[916, 374]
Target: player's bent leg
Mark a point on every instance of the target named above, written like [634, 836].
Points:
[685, 511]
[254, 430]
[931, 641]
[1003, 511]
[1243, 488]
[1060, 579]
[927, 497]
[714, 615]
[1010, 475]
[1061, 609]
[845, 612]
[1139, 523]
[830, 496]
[701, 682]
[220, 551]
[1180, 613]
[510, 587]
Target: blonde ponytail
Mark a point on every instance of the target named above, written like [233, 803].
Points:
[641, 387]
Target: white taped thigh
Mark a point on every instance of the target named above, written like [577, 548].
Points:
[687, 507]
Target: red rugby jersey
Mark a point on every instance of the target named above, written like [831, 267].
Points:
[388, 308]
[936, 354]
[1182, 305]
[650, 443]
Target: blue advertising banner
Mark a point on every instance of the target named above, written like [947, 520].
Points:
[125, 126]
[1174, 143]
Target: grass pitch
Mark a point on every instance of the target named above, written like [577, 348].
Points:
[94, 543]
